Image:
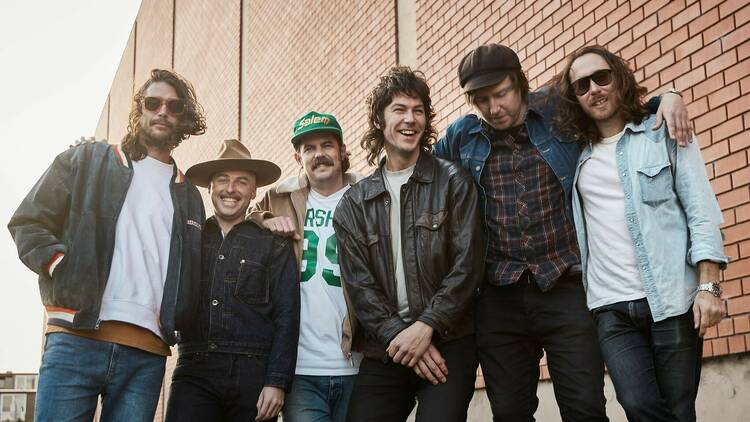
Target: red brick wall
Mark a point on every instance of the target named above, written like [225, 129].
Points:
[324, 56]
[328, 55]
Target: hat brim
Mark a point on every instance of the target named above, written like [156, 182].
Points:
[298, 137]
[265, 172]
[484, 80]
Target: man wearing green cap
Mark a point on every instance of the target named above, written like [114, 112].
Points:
[301, 208]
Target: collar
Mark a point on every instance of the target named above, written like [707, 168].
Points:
[424, 172]
[177, 175]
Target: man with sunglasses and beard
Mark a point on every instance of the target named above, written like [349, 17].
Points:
[647, 222]
[301, 208]
[114, 231]
[531, 301]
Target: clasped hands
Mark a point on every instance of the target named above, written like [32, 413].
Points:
[413, 347]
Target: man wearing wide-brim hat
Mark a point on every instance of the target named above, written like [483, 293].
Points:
[237, 361]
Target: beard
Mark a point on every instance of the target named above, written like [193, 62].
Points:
[160, 140]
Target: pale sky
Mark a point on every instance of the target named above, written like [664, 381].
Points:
[57, 63]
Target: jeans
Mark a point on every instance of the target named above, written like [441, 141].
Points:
[318, 398]
[655, 366]
[385, 391]
[76, 370]
[515, 324]
[209, 386]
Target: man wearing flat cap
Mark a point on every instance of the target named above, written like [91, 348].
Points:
[237, 361]
[532, 300]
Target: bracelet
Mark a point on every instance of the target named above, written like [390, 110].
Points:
[674, 91]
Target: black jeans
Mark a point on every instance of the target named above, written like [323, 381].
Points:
[515, 323]
[386, 391]
[216, 387]
[655, 366]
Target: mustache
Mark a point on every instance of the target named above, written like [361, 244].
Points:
[322, 161]
[161, 122]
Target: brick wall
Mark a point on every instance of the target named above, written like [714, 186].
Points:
[267, 63]
[322, 56]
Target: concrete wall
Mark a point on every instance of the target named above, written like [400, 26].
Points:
[256, 66]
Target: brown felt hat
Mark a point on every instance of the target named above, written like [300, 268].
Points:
[234, 156]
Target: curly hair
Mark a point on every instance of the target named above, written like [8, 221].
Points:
[192, 121]
[398, 80]
[572, 121]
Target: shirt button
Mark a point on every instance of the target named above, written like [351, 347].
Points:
[214, 302]
[221, 257]
[212, 346]
[477, 168]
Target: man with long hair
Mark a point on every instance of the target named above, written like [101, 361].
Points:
[647, 223]
[301, 208]
[114, 233]
[410, 252]
[532, 300]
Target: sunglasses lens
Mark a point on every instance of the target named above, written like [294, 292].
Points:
[581, 86]
[602, 77]
[176, 106]
[151, 103]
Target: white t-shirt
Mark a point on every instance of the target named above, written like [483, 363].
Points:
[322, 307]
[612, 270]
[141, 254]
[394, 180]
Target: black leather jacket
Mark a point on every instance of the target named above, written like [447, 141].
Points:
[442, 248]
[249, 299]
[73, 210]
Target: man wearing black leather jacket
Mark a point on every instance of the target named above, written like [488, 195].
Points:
[237, 361]
[410, 253]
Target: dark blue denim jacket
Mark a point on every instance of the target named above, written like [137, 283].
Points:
[249, 299]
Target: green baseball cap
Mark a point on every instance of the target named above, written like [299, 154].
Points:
[315, 122]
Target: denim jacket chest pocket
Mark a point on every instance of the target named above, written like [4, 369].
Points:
[252, 283]
[656, 183]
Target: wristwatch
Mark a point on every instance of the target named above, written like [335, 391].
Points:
[712, 287]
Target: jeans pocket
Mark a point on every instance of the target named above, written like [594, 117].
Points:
[656, 184]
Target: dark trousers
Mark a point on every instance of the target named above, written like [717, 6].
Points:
[655, 366]
[386, 391]
[515, 323]
[216, 387]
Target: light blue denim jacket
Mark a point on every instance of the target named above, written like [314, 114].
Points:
[670, 211]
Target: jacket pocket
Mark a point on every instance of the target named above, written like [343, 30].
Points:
[252, 283]
[656, 184]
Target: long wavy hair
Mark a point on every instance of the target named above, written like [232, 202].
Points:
[398, 80]
[572, 121]
[192, 121]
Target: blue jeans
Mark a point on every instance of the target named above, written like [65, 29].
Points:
[212, 386]
[655, 366]
[76, 371]
[318, 398]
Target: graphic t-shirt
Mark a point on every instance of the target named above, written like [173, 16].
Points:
[322, 308]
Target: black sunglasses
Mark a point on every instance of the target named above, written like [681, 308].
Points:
[600, 77]
[174, 106]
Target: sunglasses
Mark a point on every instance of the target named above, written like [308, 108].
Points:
[600, 77]
[174, 106]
